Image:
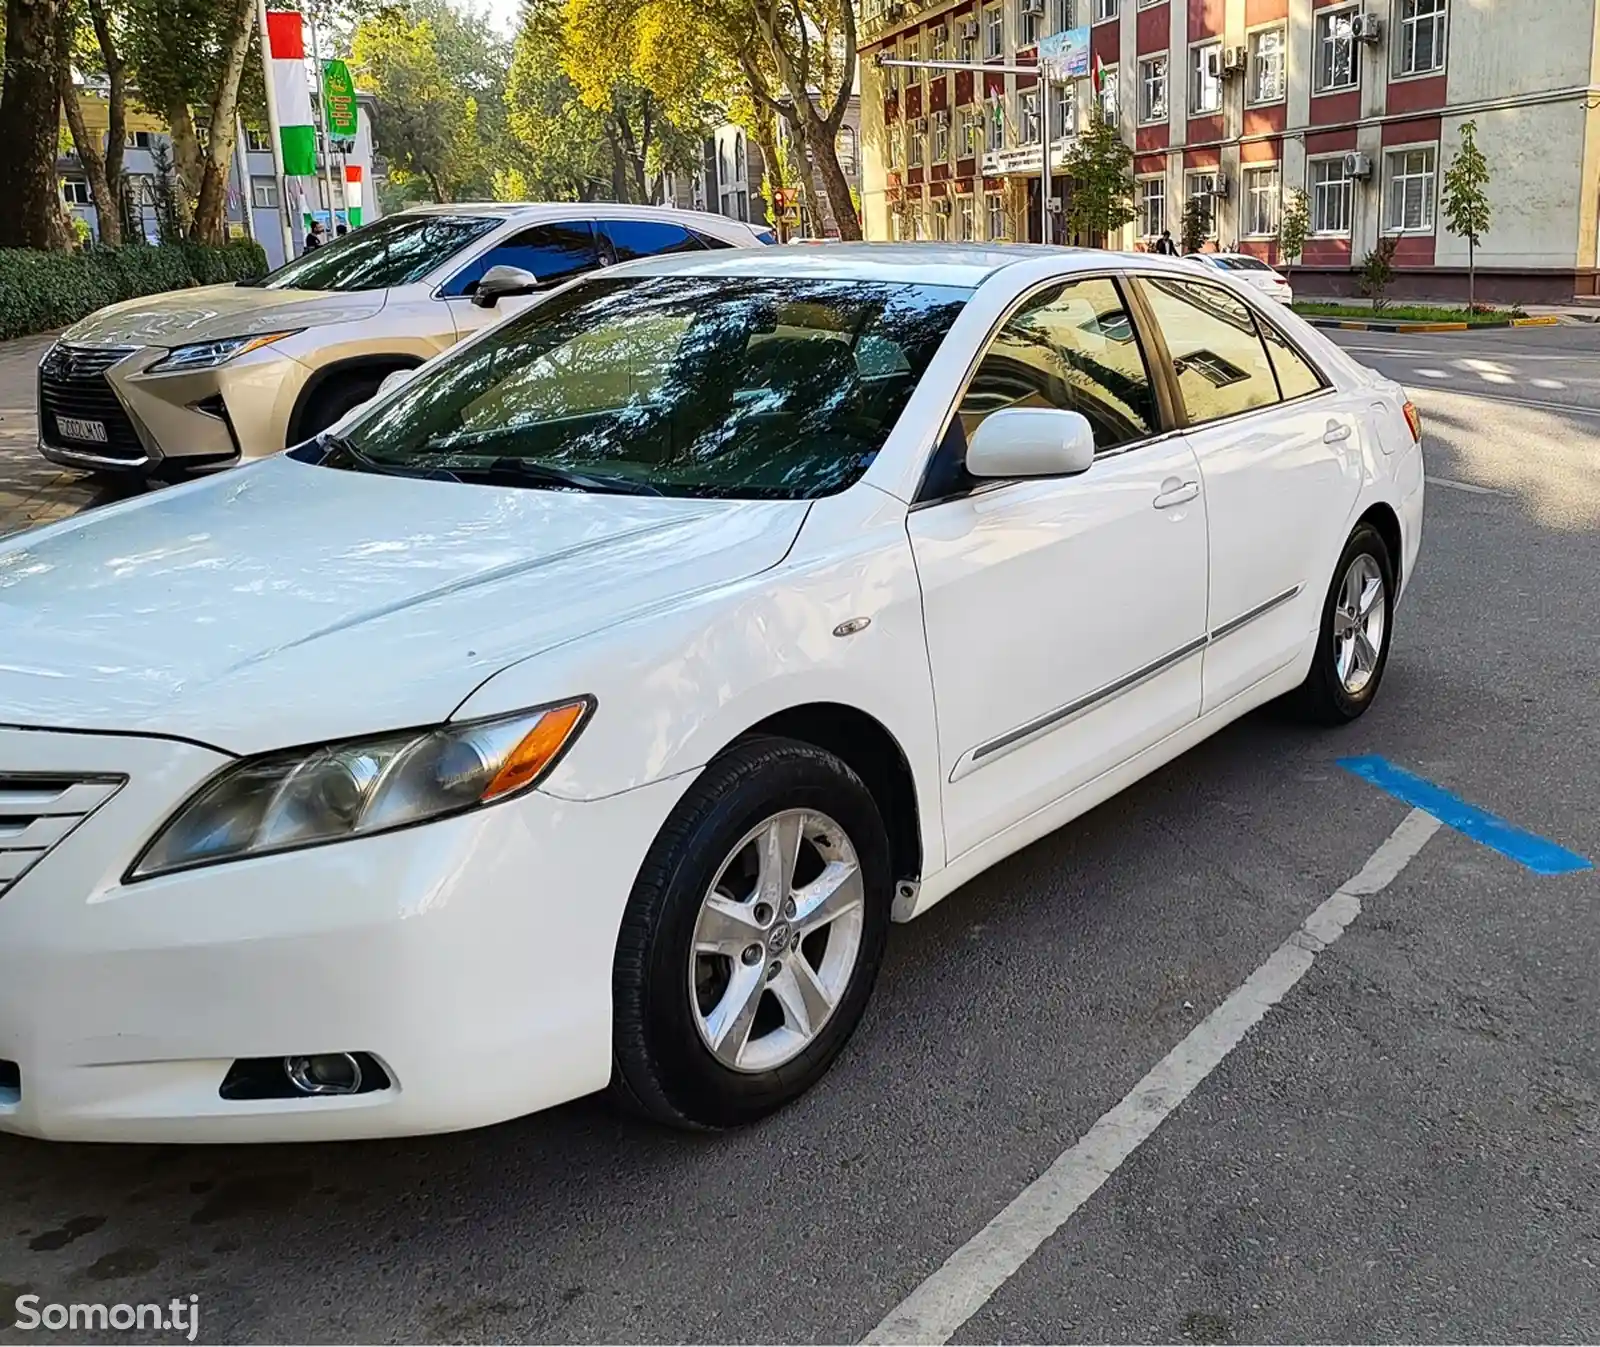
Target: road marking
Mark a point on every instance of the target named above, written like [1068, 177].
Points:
[980, 1267]
[1537, 854]
[1463, 486]
[1566, 408]
[1518, 356]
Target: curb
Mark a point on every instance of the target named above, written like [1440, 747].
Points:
[1351, 325]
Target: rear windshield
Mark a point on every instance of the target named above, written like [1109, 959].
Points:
[394, 251]
[1245, 264]
[743, 387]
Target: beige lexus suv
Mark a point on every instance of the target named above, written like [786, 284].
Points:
[195, 380]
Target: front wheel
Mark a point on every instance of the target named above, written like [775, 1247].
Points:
[1353, 643]
[752, 937]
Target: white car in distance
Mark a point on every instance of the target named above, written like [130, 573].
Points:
[1250, 271]
[583, 711]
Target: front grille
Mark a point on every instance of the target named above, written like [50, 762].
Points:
[38, 812]
[72, 382]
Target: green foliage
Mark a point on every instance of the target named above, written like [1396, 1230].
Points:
[1465, 199]
[164, 188]
[1100, 166]
[1294, 226]
[1411, 313]
[1194, 224]
[1377, 271]
[40, 291]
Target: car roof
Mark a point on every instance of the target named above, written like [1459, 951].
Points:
[577, 210]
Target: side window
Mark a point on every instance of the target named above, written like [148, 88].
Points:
[1221, 365]
[1296, 375]
[709, 240]
[645, 238]
[1071, 347]
[552, 252]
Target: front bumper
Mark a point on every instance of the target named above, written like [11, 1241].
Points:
[471, 958]
[187, 422]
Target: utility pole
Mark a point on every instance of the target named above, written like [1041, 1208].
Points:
[275, 132]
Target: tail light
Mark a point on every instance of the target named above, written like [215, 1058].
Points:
[1414, 420]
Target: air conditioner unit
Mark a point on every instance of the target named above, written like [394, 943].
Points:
[1358, 166]
[1033, 6]
[920, 126]
[896, 11]
[941, 119]
[942, 205]
[1234, 60]
[969, 30]
[1366, 28]
[1219, 188]
[1214, 64]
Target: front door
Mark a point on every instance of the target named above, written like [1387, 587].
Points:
[554, 252]
[1065, 617]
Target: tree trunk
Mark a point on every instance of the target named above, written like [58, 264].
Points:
[439, 195]
[823, 153]
[104, 171]
[211, 214]
[29, 107]
[185, 161]
[1472, 275]
[771, 170]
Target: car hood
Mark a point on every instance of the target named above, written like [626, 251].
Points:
[209, 312]
[285, 603]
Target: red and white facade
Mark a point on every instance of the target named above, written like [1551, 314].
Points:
[1241, 101]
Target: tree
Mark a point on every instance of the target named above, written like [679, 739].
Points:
[95, 50]
[1467, 211]
[1377, 272]
[1294, 226]
[1100, 168]
[1194, 224]
[30, 101]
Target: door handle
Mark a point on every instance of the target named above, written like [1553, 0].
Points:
[1336, 433]
[1174, 492]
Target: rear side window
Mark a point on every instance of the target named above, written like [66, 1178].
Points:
[709, 240]
[1217, 354]
[552, 252]
[1070, 347]
[645, 238]
[1296, 375]
[766, 236]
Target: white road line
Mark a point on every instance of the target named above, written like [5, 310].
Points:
[1513, 356]
[1541, 404]
[970, 1276]
[1463, 486]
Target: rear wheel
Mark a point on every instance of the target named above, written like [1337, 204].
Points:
[752, 938]
[1357, 623]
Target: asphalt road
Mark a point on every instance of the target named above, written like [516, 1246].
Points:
[1404, 1148]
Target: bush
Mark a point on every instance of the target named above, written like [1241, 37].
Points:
[1377, 271]
[40, 291]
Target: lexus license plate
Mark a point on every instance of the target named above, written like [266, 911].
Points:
[73, 428]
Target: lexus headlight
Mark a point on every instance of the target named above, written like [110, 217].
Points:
[307, 796]
[210, 354]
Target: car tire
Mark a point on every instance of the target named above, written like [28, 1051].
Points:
[336, 397]
[1356, 628]
[683, 970]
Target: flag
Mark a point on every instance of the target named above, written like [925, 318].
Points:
[296, 131]
[352, 194]
[1099, 73]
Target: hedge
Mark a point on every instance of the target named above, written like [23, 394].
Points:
[40, 291]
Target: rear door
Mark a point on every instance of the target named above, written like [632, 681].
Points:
[554, 252]
[1280, 461]
[624, 240]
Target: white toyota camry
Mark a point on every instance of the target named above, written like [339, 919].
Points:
[583, 710]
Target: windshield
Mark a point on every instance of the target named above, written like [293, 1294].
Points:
[392, 251]
[1246, 264]
[749, 387]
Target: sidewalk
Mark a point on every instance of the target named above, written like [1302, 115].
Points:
[32, 490]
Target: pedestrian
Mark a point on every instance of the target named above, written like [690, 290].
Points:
[1165, 246]
[314, 238]
[341, 230]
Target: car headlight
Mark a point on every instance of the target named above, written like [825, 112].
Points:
[210, 354]
[308, 796]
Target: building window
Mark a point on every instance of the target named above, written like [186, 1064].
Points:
[847, 148]
[1201, 186]
[1420, 50]
[1336, 51]
[1410, 184]
[994, 33]
[75, 192]
[941, 43]
[1105, 9]
[967, 41]
[917, 137]
[139, 140]
[1030, 18]
[996, 206]
[1263, 191]
[1062, 15]
[1153, 89]
[941, 138]
[1150, 4]
[1063, 121]
[1205, 77]
[1330, 196]
[965, 223]
[1152, 207]
[1028, 117]
[941, 221]
[256, 141]
[924, 52]
[264, 193]
[996, 125]
[1268, 83]
[738, 158]
[1110, 95]
[971, 133]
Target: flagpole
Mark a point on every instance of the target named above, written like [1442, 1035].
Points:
[322, 118]
[274, 133]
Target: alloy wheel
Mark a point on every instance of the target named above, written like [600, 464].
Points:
[1359, 621]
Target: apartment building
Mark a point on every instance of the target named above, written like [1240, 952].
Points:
[1358, 102]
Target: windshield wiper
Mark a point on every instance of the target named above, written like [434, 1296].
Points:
[534, 473]
[338, 444]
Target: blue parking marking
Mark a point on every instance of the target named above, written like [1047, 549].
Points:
[1538, 855]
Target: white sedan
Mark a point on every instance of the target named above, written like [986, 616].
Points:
[1250, 271]
[583, 711]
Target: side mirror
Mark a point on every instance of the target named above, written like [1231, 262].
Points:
[393, 381]
[1031, 442]
[500, 281]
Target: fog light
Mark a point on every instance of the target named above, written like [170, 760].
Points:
[324, 1073]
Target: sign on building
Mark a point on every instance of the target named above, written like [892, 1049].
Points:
[1065, 55]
